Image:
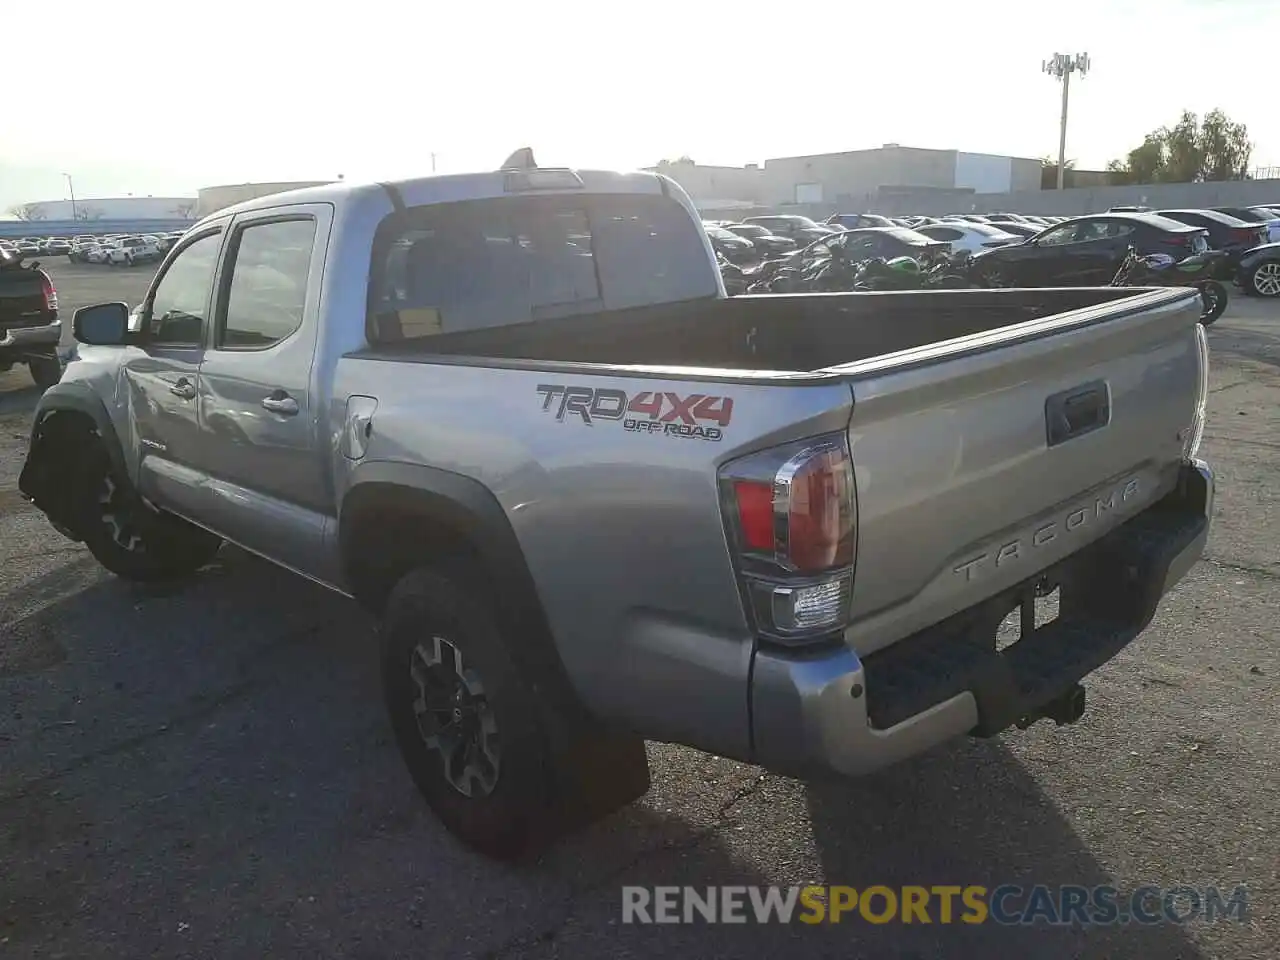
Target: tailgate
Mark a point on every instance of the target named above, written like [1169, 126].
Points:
[21, 298]
[981, 461]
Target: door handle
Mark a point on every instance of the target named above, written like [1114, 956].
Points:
[1078, 411]
[280, 402]
[183, 388]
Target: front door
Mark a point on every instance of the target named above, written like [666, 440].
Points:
[163, 376]
[260, 444]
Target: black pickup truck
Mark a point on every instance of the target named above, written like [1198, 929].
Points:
[29, 325]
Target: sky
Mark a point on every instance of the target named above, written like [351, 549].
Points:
[162, 98]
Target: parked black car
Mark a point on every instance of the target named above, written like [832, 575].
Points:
[868, 242]
[1085, 251]
[852, 221]
[766, 243]
[732, 247]
[800, 229]
[1258, 272]
[1226, 233]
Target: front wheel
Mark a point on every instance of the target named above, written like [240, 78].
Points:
[45, 371]
[125, 535]
[1213, 298]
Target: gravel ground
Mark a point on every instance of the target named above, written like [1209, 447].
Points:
[208, 773]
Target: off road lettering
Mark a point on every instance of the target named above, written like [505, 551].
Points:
[696, 416]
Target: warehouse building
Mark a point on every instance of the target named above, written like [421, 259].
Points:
[211, 199]
[855, 179]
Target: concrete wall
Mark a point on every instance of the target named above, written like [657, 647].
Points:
[1082, 200]
[211, 199]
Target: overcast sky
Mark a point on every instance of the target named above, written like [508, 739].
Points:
[165, 97]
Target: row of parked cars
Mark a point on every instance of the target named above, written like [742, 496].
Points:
[112, 249]
[1011, 249]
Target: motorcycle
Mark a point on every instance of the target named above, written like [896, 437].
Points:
[1162, 270]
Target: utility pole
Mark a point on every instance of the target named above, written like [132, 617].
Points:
[72, 188]
[1062, 65]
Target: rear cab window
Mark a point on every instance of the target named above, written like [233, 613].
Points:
[447, 268]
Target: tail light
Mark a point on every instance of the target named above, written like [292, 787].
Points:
[50, 294]
[1196, 431]
[792, 522]
[1244, 235]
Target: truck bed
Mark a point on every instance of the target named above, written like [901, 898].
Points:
[792, 333]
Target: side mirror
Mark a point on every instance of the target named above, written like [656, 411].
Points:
[102, 325]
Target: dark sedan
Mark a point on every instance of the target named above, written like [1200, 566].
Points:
[732, 247]
[869, 242]
[852, 221]
[766, 243]
[794, 227]
[1086, 251]
[1259, 271]
[1227, 233]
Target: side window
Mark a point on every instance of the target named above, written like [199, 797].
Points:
[1063, 234]
[942, 233]
[270, 264]
[181, 299]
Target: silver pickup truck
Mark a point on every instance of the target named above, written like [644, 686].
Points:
[594, 501]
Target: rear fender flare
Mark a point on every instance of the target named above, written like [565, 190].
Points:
[469, 509]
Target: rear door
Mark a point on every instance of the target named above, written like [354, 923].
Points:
[259, 412]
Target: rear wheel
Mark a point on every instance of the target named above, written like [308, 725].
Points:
[494, 754]
[1213, 298]
[1264, 279]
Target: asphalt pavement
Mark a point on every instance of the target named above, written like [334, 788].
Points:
[206, 770]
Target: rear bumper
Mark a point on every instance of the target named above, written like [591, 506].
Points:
[42, 339]
[836, 712]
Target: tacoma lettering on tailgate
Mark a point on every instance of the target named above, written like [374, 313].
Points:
[1019, 549]
[697, 416]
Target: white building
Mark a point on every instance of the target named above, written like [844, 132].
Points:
[215, 198]
[111, 208]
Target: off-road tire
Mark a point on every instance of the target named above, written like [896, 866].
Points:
[129, 538]
[45, 371]
[555, 773]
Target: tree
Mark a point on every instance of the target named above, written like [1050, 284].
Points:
[29, 211]
[1190, 151]
[683, 158]
[1049, 173]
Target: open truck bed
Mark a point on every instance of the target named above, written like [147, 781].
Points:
[794, 333]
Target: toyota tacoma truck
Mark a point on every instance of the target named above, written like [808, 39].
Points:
[594, 501]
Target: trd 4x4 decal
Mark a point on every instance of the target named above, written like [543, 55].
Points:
[696, 416]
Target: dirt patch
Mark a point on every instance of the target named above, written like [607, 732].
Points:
[29, 645]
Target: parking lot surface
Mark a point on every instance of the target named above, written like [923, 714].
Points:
[206, 771]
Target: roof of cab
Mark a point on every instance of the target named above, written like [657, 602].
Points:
[450, 188]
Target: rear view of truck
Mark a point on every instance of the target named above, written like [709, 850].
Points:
[1001, 519]
[29, 329]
